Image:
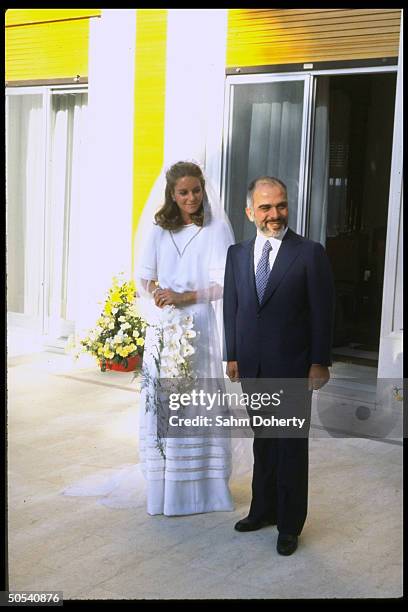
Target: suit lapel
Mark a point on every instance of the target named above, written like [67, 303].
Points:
[248, 273]
[288, 251]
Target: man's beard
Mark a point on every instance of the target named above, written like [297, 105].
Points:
[274, 233]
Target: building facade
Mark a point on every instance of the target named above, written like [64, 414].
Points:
[99, 100]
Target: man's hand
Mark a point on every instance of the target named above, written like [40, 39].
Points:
[318, 377]
[232, 371]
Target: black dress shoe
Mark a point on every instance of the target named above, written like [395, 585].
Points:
[287, 544]
[247, 524]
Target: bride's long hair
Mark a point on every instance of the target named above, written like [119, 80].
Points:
[169, 215]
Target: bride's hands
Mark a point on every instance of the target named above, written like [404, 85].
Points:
[167, 297]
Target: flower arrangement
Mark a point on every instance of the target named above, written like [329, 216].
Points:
[119, 333]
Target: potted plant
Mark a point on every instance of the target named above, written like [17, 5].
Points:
[117, 340]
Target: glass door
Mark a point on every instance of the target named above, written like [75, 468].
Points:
[266, 134]
[45, 177]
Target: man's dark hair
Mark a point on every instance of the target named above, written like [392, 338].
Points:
[264, 179]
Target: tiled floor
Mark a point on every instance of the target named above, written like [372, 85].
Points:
[67, 422]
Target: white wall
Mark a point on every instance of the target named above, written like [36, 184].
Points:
[196, 43]
[106, 220]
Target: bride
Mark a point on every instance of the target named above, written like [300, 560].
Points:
[181, 265]
[180, 251]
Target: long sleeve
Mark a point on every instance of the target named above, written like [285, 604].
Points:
[321, 302]
[230, 309]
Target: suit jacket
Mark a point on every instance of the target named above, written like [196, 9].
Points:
[293, 326]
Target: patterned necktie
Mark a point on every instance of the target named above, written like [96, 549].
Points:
[262, 271]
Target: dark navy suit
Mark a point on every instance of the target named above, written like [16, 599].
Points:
[280, 338]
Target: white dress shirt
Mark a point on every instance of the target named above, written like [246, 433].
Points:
[259, 245]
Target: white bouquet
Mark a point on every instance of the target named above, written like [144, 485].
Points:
[176, 331]
[174, 364]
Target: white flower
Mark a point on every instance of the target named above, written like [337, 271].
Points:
[125, 326]
[132, 310]
[175, 331]
[169, 337]
[187, 350]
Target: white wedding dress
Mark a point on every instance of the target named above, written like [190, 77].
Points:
[193, 477]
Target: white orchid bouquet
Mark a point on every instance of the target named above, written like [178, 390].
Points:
[177, 330]
[174, 364]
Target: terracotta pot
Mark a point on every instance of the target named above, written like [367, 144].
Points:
[133, 362]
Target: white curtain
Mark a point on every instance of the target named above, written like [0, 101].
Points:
[25, 204]
[66, 181]
[320, 165]
[79, 175]
[266, 138]
[275, 141]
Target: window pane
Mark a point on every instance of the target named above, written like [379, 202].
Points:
[25, 203]
[266, 139]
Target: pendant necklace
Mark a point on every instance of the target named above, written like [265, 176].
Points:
[192, 238]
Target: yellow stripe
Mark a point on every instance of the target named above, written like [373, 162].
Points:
[15, 17]
[277, 36]
[150, 86]
[51, 50]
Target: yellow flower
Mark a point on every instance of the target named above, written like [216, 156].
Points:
[130, 291]
[119, 310]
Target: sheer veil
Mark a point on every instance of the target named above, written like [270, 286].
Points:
[123, 486]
